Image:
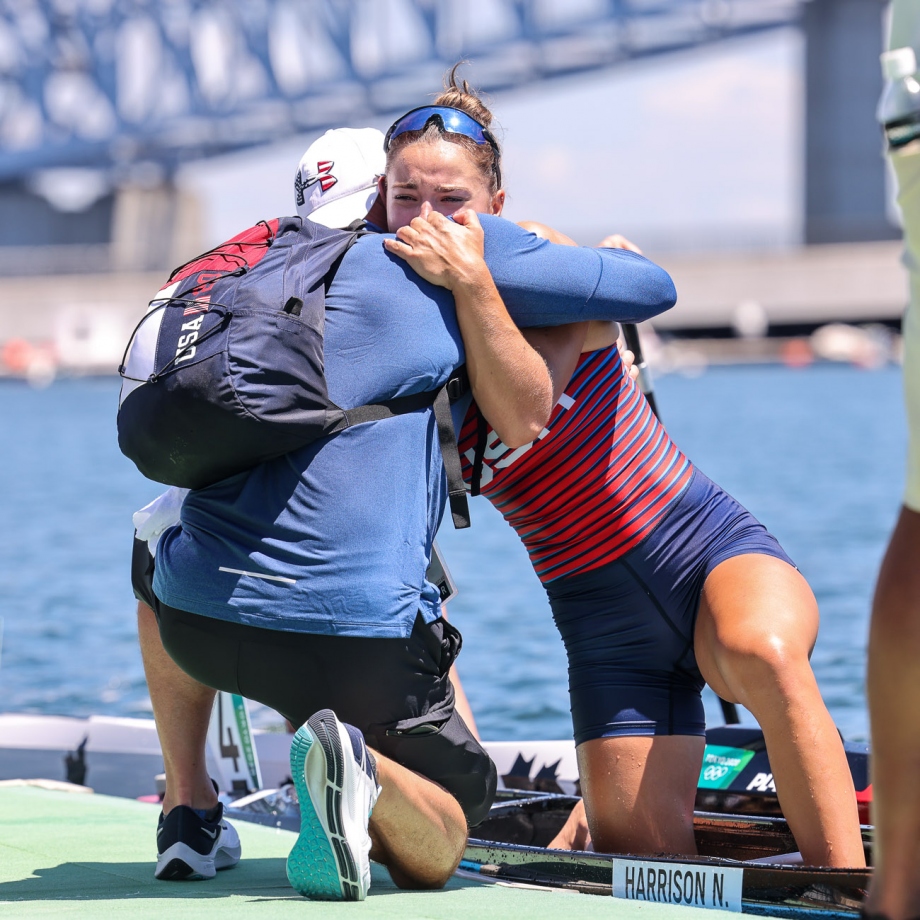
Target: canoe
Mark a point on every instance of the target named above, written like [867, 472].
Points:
[739, 827]
[509, 846]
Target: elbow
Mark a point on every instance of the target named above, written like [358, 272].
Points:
[527, 424]
[668, 293]
[659, 296]
[521, 432]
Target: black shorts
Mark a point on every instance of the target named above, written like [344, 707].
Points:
[396, 691]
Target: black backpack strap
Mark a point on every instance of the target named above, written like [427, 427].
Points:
[456, 490]
[458, 385]
[399, 405]
[482, 433]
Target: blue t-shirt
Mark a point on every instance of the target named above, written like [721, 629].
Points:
[335, 538]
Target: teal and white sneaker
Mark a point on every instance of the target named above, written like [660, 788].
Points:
[336, 781]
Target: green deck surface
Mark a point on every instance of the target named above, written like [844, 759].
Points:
[65, 854]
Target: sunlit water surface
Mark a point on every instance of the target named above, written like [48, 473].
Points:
[816, 454]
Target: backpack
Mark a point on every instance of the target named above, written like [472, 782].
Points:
[226, 371]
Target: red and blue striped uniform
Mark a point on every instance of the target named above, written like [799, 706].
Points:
[598, 479]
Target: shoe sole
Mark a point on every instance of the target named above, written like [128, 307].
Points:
[321, 864]
[180, 863]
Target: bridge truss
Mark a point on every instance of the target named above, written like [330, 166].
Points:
[108, 84]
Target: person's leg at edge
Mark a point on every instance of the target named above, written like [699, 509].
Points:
[417, 829]
[574, 834]
[182, 711]
[757, 624]
[894, 710]
[639, 792]
[893, 675]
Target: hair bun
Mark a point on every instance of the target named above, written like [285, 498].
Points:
[460, 95]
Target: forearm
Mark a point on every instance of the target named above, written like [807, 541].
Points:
[547, 284]
[509, 379]
[560, 348]
[593, 335]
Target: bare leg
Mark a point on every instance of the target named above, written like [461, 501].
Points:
[182, 710]
[574, 834]
[757, 624]
[418, 830]
[639, 792]
[894, 708]
[462, 704]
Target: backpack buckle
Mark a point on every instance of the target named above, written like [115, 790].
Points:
[458, 385]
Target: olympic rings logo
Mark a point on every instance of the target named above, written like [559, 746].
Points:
[714, 772]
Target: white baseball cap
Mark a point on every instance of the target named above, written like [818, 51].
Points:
[336, 181]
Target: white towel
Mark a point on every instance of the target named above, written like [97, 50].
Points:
[162, 513]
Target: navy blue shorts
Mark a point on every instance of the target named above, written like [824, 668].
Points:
[628, 626]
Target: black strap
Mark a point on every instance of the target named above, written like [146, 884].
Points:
[482, 434]
[399, 405]
[459, 384]
[457, 387]
[456, 490]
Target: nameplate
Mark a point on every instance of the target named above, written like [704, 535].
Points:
[712, 887]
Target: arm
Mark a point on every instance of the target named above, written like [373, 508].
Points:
[560, 346]
[509, 379]
[546, 284]
[600, 333]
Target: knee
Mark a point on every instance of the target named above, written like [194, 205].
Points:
[767, 664]
[478, 793]
[437, 869]
[417, 882]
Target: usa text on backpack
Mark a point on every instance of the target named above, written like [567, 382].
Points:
[225, 371]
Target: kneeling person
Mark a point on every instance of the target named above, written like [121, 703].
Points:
[301, 583]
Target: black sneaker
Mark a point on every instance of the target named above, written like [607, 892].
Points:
[190, 847]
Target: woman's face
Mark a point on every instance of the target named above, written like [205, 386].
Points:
[441, 173]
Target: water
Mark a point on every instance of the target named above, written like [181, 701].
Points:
[816, 454]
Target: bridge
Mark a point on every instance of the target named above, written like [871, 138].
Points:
[111, 84]
[132, 89]
[127, 91]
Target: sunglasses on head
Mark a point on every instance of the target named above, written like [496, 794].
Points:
[450, 121]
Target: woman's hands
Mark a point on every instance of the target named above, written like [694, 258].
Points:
[509, 379]
[444, 251]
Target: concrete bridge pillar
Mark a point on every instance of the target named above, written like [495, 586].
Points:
[154, 227]
[845, 196]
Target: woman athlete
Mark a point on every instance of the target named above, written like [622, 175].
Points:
[658, 580]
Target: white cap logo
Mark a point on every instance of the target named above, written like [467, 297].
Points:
[335, 200]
